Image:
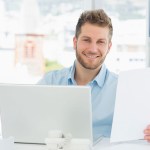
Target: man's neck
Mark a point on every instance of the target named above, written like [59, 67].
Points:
[83, 76]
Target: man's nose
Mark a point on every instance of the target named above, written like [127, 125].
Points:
[93, 47]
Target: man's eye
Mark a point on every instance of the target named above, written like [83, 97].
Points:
[101, 42]
[86, 40]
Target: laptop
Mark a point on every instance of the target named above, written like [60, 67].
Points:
[29, 112]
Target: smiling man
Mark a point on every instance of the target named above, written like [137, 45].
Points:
[92, 43]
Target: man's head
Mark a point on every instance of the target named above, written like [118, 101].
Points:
[97, 17]
[92, 40]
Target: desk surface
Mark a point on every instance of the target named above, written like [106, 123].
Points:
[30, 147]
[102, 145]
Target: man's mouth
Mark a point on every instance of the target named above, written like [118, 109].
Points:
[91, 56]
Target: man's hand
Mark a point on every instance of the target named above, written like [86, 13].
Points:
[147, 133]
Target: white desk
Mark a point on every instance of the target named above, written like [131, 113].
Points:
[30, 147]
[102, 145]
[136, 145]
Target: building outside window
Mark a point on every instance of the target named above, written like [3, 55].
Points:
[35, 37]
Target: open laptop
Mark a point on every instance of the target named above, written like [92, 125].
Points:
[29, 112]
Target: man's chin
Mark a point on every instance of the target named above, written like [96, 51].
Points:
[90, 67]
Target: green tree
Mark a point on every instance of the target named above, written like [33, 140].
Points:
[52, 65]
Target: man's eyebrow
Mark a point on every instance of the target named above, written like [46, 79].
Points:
[101, 39]
[85, 37]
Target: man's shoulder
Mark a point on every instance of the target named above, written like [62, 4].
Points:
[55, 76]
[60, 72]
[112, 77]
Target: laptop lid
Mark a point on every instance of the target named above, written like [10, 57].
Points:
[29, 112]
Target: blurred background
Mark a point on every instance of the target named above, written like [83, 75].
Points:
[36, 36]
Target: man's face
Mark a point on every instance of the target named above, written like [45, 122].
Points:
[92, 46]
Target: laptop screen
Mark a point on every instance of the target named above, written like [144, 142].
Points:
[29, 112]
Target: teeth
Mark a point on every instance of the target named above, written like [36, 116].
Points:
[90, 56]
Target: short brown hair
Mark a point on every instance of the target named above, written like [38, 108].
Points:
[97, 17]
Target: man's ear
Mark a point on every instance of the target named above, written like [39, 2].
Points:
[74, 42]
[109, 46]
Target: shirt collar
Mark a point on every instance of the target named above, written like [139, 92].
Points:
[71, 74]
[99, 79]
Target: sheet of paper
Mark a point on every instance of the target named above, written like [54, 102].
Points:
[132, 107]
[7, 144]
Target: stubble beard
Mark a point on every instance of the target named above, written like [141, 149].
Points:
[87, 65]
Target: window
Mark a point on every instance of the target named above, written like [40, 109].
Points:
[129, 38]
[36, 36]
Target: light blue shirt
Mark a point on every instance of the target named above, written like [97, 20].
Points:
[103, 91]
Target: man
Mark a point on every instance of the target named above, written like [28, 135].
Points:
[92, 43]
